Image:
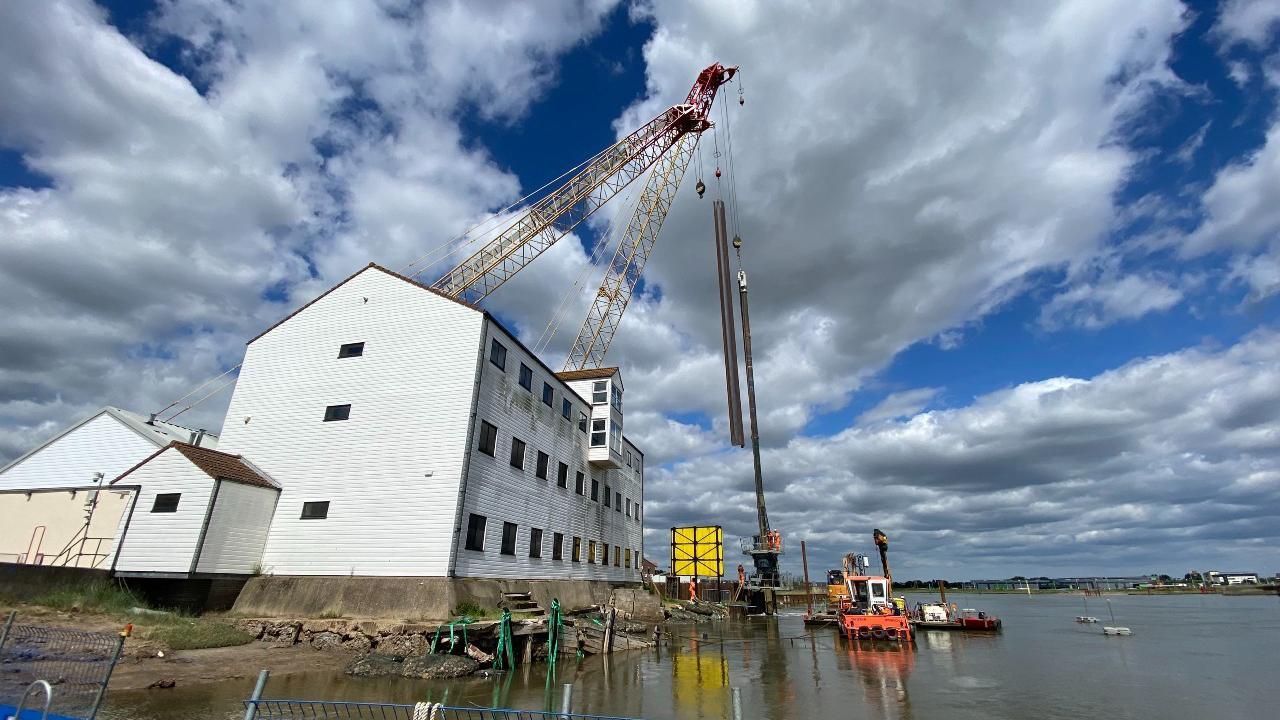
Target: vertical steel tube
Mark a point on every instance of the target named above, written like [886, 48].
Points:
[761, 515]
[808, 593]
[728, 328]
[566, 700]
[115, 658]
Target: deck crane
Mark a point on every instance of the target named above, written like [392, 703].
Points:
[667, 143]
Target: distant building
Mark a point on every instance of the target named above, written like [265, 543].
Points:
[1233, 578]
[56, 502]
[412, 435]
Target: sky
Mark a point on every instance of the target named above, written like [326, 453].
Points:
[1014, 276]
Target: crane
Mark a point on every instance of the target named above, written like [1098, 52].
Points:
[667, 143]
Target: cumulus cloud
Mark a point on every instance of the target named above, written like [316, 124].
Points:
[1092, 305]
[1250, 22]
[1165, 462]
[183, 218]
[899, 405]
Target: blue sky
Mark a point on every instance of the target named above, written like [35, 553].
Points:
[959, 228]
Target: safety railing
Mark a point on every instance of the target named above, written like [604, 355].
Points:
[79, 663]
[257, 708]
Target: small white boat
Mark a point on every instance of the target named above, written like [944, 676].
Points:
[1116, 631]
[1086, 619]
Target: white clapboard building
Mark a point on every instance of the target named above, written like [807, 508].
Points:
[57, 504]
[412, 435]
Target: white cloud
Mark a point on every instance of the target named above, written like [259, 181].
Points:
[899, 405]
[1166, 462]
[1093, 305]
[1247, 21]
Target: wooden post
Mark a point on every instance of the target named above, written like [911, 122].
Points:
[942, 590]
[804, 561]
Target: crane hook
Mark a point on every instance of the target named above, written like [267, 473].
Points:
[717, 173]
[701, 187]
[737, 242]
[741, 101]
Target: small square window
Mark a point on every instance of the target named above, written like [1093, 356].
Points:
[582, 421]
[475, 532]
[557, 546]
[535, 543]
[599, 434]
[562, 475]
[508, 538]
[595, 489]
[600, 392]
[315, 510]
[578, 483]
[498, 354]
[566, 408]
[166, 503]
[577, 550]
[488, 439]
[517, 453]
[548, 394]
[351, 350]
[591, 551]
[526, 377]
[608, 496]
[543, 461]
[337, 412]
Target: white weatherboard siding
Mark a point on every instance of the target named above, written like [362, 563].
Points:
[103, 444]
[237, 529]
[501, 492]
[391, 472]
[164, 542]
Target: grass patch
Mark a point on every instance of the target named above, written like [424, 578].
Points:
[103, 597]
[187, 634]
[471, 609]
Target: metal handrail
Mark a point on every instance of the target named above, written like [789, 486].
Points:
[48, 699]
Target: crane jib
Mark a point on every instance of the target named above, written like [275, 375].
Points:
[565, 207]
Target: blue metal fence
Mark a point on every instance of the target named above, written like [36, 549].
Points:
[76, 664]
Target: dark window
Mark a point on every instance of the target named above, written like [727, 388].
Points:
[337, 412]
[599, 392]
[315, 510]
[627, 555]
[628, 507]
[591, 552]
[351, 350]
[526, 377]
[595, 489]
[577, 550]
[578, 483]
[562, 475]
[557, 546]
[475, 532]
[548, 395]
[488, 439]
[617, 556]
[535, 543]
[606, 554]
[608, 495]
[166, 502]
[582, 421]
[508, 538]
[599, 432]
[498, 354]
[517, 453]
[543, 461]
[566, 408]
[617, 501]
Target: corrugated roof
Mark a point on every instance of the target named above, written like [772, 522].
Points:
[590, 374]
[216, 464]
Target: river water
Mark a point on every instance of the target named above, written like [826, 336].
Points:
[1190, 656]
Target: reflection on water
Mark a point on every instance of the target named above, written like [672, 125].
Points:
[1043, 665]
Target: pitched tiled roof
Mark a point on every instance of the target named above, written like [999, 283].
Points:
[591, 374]
[217, 465]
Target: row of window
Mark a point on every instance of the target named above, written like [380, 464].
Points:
[488, 444]
[622, 557]
[498, 357]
